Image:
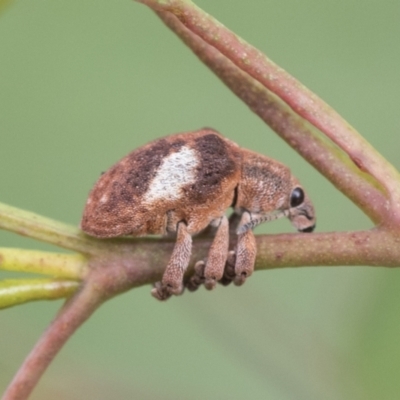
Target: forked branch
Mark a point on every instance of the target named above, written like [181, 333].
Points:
[333, 163]
[310, 126]
[303, 102]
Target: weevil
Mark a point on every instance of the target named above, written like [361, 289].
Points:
[183, 183]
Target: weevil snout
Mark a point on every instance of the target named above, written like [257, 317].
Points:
[301, 212]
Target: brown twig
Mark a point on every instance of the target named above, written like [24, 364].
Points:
[74, 313]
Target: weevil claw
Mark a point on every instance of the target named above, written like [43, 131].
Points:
[229, 272]
[240, 279]
[163, 292]
[197, 279]
[210, 283]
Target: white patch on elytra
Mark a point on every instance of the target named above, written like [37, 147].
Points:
[177, 170]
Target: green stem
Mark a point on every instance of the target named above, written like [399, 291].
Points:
[69, 266]
[19, 291]
[48, 230]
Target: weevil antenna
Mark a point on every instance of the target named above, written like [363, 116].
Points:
[265, 218]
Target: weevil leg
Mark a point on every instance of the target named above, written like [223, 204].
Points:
[197, 279]
[245, 252]
[171, 283]
[229, 271]
[212, 270]
[217, 255]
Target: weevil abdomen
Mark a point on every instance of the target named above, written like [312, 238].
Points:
[185, 177]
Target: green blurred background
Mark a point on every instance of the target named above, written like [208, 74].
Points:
[84, 82]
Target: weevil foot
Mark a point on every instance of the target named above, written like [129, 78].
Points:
[198, 278]
[210, 283]
[242, 272]
[213, 273]
[229, 271]
[162, 291]
[240, 279]
[245, 257]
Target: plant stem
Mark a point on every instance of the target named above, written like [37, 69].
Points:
[18, 291]
[333, 163]
[291, 91]
[74, 313]
[48, 230]
[135, 264]
[111, 267]
[69, 266]
[375, 247]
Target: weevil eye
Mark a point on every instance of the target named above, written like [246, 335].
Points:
[297, 197]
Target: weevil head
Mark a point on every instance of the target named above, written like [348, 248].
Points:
[269, 191]
[301, 211]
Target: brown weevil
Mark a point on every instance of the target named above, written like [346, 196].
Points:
[184, 183]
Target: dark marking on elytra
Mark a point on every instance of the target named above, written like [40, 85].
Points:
[123, 186]
[131, 177]
[177, 144]
[142, 165]
[216, 164]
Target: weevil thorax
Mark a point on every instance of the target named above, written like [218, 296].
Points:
[268, 191]
[264, 184]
